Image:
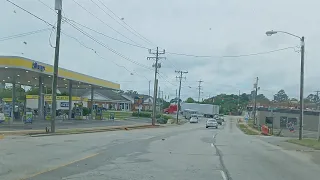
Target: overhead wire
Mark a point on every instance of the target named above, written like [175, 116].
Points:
[24, 34]
[231, 56]
[107, 47]
[173, 53]
[74, 37]
[117, 21]
[125, 23]
[104, 22]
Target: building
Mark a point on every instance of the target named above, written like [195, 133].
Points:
[109, 99]
[23, 71]
[281, 117]
[139, 101]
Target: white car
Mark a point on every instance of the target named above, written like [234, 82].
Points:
[194, 120]
[212, 123]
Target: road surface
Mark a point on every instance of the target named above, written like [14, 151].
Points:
[188, 151]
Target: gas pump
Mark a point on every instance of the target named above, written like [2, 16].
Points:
[7, 110]
[78, 110]
[47, 111]
[98, 113]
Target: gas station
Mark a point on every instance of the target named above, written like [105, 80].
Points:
[22, 71]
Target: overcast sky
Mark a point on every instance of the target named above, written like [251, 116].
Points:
[199, 27]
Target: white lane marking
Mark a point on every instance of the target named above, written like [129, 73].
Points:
[212, 145]
[223, 175]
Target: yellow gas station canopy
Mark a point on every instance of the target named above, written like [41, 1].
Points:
[25, 71]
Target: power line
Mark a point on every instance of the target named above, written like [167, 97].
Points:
[117, 21]
[231, 56]
[107, 47]
[125, 23]
[23, 34]
[78, 40]
[104, 22]
[93, 30]
[30, 13]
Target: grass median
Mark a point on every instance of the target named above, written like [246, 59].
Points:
[247, 130]
[312, 143]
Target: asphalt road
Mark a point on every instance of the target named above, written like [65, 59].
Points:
[69, 124]
[188, 151]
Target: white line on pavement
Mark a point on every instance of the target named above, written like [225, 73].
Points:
[223, 175]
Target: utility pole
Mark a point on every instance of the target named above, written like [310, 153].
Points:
[180, 78]
[318, 115]
[159, 97]
[199, 87]
[239, 99]
[176, 95]
[255, 100]
[161, 107]
[156, 65]
[301, 88]
[149, 86]
[58, 7]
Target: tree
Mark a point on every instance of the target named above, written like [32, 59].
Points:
[293, 99]
[7, 93]
[175, 100]
[190, 100]
[312, 98]
[281, 96]
[35, 91]
[262, 99]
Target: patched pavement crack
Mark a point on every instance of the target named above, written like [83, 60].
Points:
[219, 153]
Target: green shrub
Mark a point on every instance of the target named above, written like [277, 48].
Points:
[141, 114]
[167, 117]
[86, 111]
[162, 121]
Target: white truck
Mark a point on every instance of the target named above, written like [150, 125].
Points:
[207, 110]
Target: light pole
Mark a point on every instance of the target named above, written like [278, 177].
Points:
[269, 33]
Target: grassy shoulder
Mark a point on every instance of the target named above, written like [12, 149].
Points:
[312, 143]
[247, 130]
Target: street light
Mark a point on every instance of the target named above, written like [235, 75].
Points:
[269, 33]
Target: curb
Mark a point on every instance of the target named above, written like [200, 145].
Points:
[35, 133]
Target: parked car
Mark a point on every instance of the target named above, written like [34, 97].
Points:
[212, 123]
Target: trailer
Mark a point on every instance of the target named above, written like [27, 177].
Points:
[207, 110]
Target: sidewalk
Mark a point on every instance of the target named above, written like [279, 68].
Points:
[282, 143]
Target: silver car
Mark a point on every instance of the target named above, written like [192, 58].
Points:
[212, 123]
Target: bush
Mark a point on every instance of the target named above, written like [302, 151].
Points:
[167, 117]
[162, 121]
[141, 114]
[86, 111]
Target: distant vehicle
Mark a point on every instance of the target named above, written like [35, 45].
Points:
[212, 123]
[222, 117]
[173, 108]
[207, 110]
[194, 118]
[188, 112]
[219, 120]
